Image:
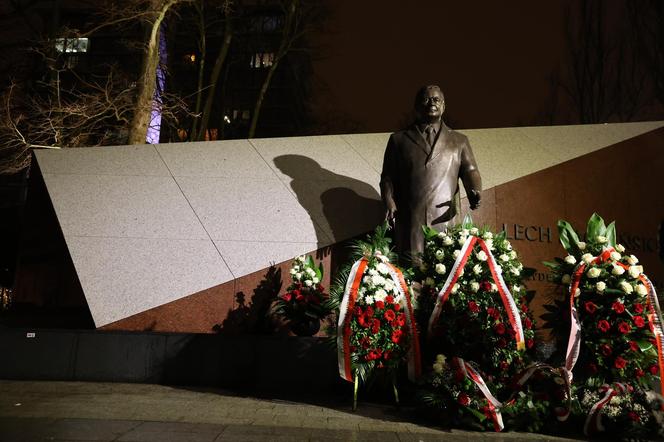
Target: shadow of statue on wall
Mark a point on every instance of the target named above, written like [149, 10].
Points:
[254, 317]
[340, 207]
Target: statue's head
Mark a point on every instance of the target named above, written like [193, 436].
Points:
[429, 104]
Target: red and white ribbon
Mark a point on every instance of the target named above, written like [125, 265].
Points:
[493, 403]
[593, 422]
[345, 317]
[496, 273]
[346, 312]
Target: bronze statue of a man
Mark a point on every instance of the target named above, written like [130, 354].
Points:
[421, 170]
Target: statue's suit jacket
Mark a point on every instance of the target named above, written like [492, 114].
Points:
[423, 182]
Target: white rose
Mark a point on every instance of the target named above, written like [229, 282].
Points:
[626, 287]
[620, 248]
[581, 245]
[577, 292]
[600, 287]
[635, 271]
[570, 259]
[587, 258]
[507, 245]
[477, 269]
[362, 291]
[382, 268]
[632, 260]
[447, 241]
[440, 255]
[474, 286]
[481, 255]
[308, 282]
[293, 271]
[438, 368]
[494, 287]
[594, 272]
[461, 272]
[516, 288]
[430, 282]
[440, 268]
[566, 279]
[456, 254]
[487, 235]
[615, 256]
[617, 270]
[504, 257]
[641, 289]
[297, 276]
[455, 288]
[440, 359]
[442, 235]
[465, 232]
[601, 239]
[512, 254]
[380, 295]
[489, 244]
[515, 271]
[462, 240]
[301, 258]
[474, 231]
[315, 280]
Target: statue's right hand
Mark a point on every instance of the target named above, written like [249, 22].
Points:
[390, 215]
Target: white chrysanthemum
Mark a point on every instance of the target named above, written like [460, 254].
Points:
[516, 288]
[512, 254]
[382, 269]
[617, 270]
[477, 269]
[481, 255]
[620, 248]
[297, 276]
[515, 271]
[368, 280]
[442, 235]
[593, 272]
[440, 255]
[369, 300]
[389, 285]
[641, 289]
[440, 268]
[378, 280]
[600, 287]
[293, 271]
[301, 258]
[581, 245]
[372, 272]
[570, 259]
[380, 295]
[315, 280]
[474, 286]
[626, 287]
[462, 240]
[465, 232]
[587, 258]
[494, 287]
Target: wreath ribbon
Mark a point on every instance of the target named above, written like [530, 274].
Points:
[346, 312]
[494, 404]
[593, 422]
[496, 273]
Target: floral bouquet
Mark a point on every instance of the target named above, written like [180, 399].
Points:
[613, 333]
[303, 304]
[376, 329]
[472, 301]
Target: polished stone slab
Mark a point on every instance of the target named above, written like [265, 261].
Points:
[245, 257]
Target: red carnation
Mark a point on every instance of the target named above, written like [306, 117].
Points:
[369, 312]
[653, 369]
[493, 312]
[618, 307]
[504, 365]
[299, 297]
[485, 286]
[358, 311]
[362, 320]
[524, 308]
[633, 416]
[389, 315]
[502, 343]
[389, 299]
[592, 368]
[396, 307]
[639, 373]
[463, 399]
[396, 336]
[620, 363]
[604, 325]
[530, 343]
[606, 349]
[387, 355]
[400, 321]
[287, 297]
[591, 308]
[365, 343]
[459, 376]
[639, 321]
[380, 305]
[624, 328]
[633, 345]
[638, 308]
[499, 328]
[473, 307]
[375, 325]
[528, 323]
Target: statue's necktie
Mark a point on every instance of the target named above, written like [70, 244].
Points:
[430, 135]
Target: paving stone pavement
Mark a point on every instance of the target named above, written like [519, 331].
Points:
[85, 411]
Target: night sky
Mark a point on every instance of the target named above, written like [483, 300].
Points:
[492, 59]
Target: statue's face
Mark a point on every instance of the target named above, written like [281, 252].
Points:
[431, 106]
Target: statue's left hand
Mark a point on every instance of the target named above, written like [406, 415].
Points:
[474, 198]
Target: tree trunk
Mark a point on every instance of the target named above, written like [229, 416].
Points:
[214, 78]
[201, 68]
[147, 81]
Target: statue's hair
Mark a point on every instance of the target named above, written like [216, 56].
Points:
[421, 91]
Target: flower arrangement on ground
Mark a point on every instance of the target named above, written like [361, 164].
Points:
[304, 303]
[613, 333]
[376, 329]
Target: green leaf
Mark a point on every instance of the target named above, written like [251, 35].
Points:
[611, 234]
[568, 237]
[595, 227]
[551, 265]
[644, 345]
[429, 232]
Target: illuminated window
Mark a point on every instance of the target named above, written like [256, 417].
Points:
[68, 45]
[262, 60]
